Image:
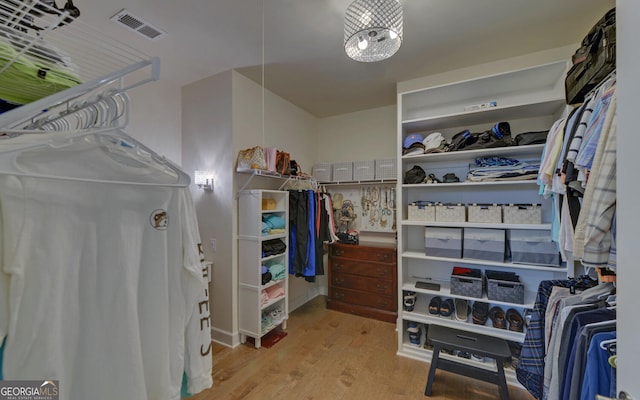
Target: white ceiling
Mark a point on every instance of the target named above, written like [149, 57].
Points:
[304, 60]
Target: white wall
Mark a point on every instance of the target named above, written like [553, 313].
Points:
[156, 112]
[207, 137]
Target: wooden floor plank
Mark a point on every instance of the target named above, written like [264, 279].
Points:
[328, 355]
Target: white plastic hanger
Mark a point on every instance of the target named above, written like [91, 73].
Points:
[120, 149]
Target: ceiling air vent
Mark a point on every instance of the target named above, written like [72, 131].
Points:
[138, 25]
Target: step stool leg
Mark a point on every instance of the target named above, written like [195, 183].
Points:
[502, 382]
[432, 369]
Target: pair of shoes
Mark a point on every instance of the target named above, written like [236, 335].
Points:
[462, 309]
[409, 300]
[414, 332]
[498, 317]
[516, 322]
[480, 312]
[438, 307]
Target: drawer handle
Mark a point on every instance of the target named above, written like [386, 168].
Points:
[338, 266]
[338, 281]
[339, 295]
[382, 271]
[339, 252]
[381, 288]
[383, 303]
[383, 257]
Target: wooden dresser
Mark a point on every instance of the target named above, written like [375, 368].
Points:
[363, 280]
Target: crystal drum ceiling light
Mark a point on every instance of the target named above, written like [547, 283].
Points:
[372, 29]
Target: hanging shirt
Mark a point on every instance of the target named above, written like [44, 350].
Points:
[102, 284]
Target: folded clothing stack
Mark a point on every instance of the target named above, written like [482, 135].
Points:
[502, 169]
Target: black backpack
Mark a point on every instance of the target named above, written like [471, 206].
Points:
[415, 175]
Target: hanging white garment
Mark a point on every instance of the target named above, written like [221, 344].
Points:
[101, 274]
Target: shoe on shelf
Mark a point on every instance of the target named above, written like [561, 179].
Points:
[447, 308]
[434, 305]
[498, 318]
[480, 312]
[462, 309]
[477, 357]
[516, 322]
[409, 300]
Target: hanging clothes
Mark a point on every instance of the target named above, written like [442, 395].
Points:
[105, 269]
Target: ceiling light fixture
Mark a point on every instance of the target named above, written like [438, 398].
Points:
[372, 29]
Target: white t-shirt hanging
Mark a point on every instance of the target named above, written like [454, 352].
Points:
[102, 287]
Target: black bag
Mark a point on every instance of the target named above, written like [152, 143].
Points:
[525, 138]
[415, 175]
[594, 60]
[498, 136]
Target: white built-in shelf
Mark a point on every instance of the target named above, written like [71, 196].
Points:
[420, 255]
[267, 237]
[272, 283]
[272, 302]
[445, 291]
[466, 184]
[462, 155]
[477, 225]
[484, 116]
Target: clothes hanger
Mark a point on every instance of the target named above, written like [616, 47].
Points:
[118, 150]
[604, 345]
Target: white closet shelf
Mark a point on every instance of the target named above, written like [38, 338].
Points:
[472, 154]
[271, 302]
[421, 256]
[477, 225]
[360, 182]
[74, 48]
[484, 116]
[268, 237]
[465, 184]
[272, 283]
[445, 291]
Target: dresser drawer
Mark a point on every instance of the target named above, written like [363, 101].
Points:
[380, 254]
[363, 268]
[371, 285]
[363, 298]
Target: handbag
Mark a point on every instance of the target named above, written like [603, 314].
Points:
[526, 138]
[283, 163]
[252, 158]
[594, 60]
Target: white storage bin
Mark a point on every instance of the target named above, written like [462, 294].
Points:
[364, 170]
[342, 171]
[484, 244]
[386, 169]
[451, 213]
[486, 213]
[322, 172]
[443, 242]
[522, 213]
[422, 211]
[533, 247]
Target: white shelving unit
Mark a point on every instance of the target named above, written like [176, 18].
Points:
[530, 100]
[257, 318]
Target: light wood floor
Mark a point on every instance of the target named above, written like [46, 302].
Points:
[334, 356]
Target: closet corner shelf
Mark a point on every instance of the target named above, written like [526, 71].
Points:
[423, 256]
[270, 174]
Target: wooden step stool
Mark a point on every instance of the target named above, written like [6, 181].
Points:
[474, 343]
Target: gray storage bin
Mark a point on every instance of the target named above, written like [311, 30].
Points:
[533, 247]
[484, 244]
[484, 213]
[522, 213]
[443, 242]
[504, 290]
[451, 213]
[469, 286]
